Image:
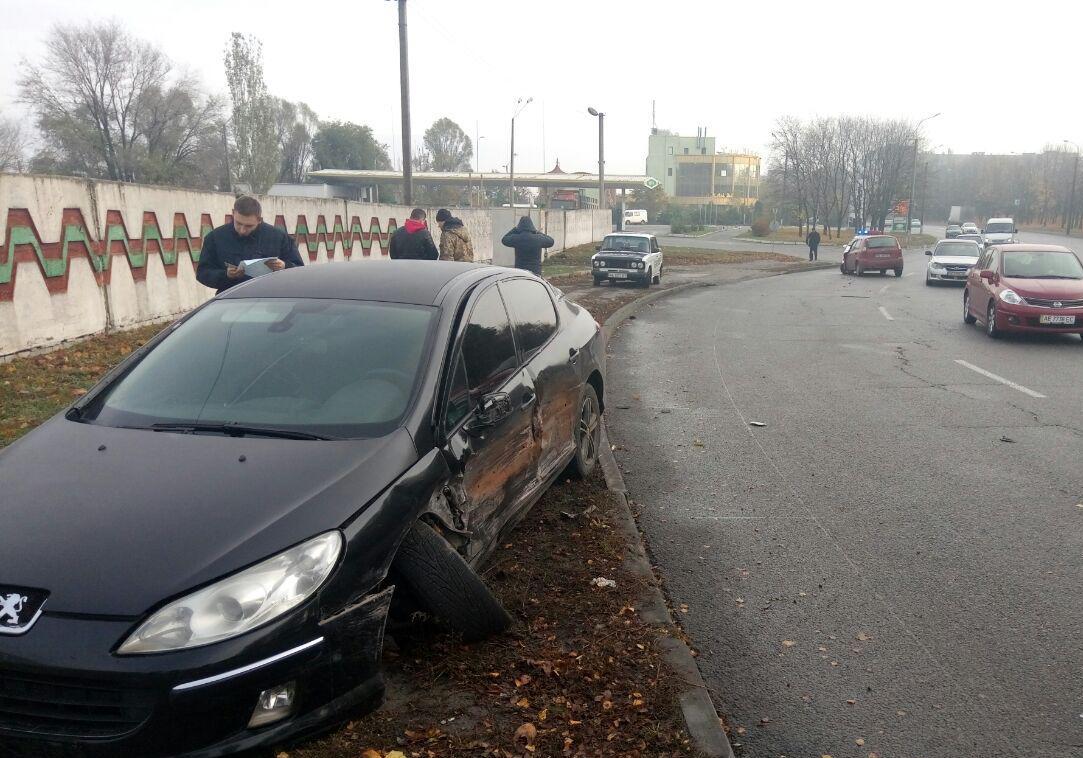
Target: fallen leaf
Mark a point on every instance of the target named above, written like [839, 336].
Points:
[395, 754]
[522, 681]
[543, 714]
[765, 720]
[859, 742]
[788, 643]
[863, 637]
[527, 732]
[370, 753]
[523, 703]
[756, 423]
[851, 702]
[741, 731]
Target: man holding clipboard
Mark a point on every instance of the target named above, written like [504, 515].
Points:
[246, 248]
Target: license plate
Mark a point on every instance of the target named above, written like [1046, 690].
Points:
[1056, 320]
[883, 255]
[617, 275]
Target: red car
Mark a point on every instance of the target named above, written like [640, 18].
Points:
[1025, 288]
[879, 252]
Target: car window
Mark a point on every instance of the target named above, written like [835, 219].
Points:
[488, 348]
[999, 228]
[654, 245]
[1042, 264]
[338, 368]
[965, 249]
[881, 242]
[458, 397]
[532, 313]
[625, 243]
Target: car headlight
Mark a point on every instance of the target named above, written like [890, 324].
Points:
[1009, 296]
[239, 603]
[601, 264]
[936, 266]
[639, 265]
[596, 263]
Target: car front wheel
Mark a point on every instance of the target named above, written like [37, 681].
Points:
[991, 321]
[648, 278]
[587, 436]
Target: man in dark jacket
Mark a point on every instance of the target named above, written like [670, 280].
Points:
[221, 261]
[412, 241]
[528, 243]
[813, 242]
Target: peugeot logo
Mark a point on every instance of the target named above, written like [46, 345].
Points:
[1056, 303]
[20, 608]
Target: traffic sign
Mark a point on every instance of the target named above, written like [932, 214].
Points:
[651, 182]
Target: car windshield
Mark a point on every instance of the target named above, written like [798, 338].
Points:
[955, 228]
[998, 228]
[1044, 264]
[630, 244]
[968, 249]
[333, 368]
[881, 242]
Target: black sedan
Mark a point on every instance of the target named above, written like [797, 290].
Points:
[199, 557]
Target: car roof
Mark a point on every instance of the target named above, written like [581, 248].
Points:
[412, 282]
[644, 235]
[999, 219]
[1025, 247]
[958, 240]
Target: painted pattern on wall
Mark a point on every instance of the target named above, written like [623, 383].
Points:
[24, 243]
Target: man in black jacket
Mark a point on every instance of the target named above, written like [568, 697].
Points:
[528, 243]
[221, 261]
[412, 240]
[813, 242]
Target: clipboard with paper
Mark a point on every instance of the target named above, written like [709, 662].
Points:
[257, 266]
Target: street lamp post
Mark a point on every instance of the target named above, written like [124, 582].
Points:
[477, 165]
[404, 90]
[519, 105]
[1071, 195]
[601, 155]
[914, 176]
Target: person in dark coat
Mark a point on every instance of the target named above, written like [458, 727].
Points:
[813, 242]
[412, 240]
[528, 243]
[247, 237]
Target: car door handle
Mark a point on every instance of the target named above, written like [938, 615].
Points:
[529, 397]
[573, 354]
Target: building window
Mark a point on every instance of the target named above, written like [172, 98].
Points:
[703, 151]
[686, 151]
[694, 180]
[669, 172]
[670, 149]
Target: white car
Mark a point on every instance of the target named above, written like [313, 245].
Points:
[635, 216]
[999, 231]
[951, 260]
[971, 228]
[628, 257]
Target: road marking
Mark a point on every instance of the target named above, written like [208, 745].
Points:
[885, 314]
[884, 289]
[910, 274]
[1002, 380]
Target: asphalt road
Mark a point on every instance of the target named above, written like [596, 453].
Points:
[895, 558]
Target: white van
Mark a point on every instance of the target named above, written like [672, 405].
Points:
[636, 216]
[999, 231]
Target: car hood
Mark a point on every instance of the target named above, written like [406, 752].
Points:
[953, 260]
[113, 521]
[620, 254]
[1046, 289]
[998, 237]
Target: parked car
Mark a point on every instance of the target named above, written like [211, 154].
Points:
[201, 553]
[953, 231]
[1025, 288]
[969, 237]
[999, 231]
[970, 228]
[880, 252]
[915, 223]
[951, 260]
[635, 216]
[628, 257]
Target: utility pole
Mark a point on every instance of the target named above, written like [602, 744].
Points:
[924, 184]
[519, 105]
[601, 155]
[225, 152]
[404, 87]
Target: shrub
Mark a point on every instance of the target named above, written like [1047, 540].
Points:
[761, 226]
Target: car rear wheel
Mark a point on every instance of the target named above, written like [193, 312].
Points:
[967, 318]
[658, 277]
[991, 321]
[444, 585]
[898, 273]
[588, 435]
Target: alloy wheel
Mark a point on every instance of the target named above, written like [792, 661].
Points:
[589, 428]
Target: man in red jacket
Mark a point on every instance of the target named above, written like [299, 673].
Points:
[412, 241]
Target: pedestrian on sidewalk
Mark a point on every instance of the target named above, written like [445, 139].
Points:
[455, 242]
[528, 243]
[813, 242]
[412, 240]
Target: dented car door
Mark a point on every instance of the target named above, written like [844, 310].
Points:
[489, 423]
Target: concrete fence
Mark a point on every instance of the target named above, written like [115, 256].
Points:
[81, 257]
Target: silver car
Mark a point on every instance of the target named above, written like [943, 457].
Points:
[951, 260]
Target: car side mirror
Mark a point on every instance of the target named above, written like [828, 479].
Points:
[492, 409]
[987, 275]
[928, 252]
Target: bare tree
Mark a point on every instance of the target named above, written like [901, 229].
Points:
[13, 145]
[109, 105]
[296, 125]
[256, 151]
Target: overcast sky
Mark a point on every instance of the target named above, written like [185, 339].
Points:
[1003, 80]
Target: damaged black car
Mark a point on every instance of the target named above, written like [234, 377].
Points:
[199, 557]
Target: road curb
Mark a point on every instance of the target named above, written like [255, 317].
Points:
[700, 717]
